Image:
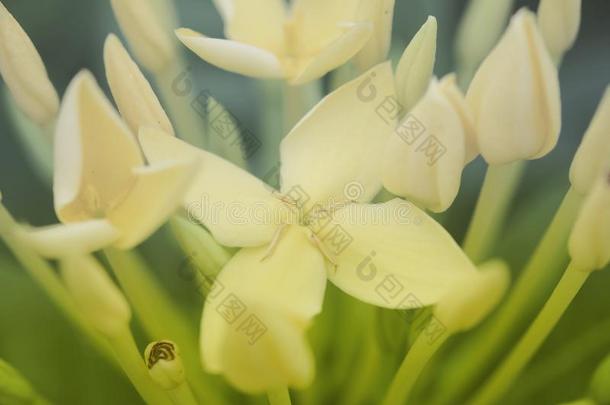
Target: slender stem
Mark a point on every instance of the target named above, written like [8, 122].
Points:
[569, 285]
[44, 275]
[411, 368]
[298, 100]
[491, 210]
[279, 396]
[133, 365]
[159, 315]
[178, 93]
[182, 395]
[534, 285]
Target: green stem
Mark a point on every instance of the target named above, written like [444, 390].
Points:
[569, 285]
[535, 283]
[279, 396]
[44, 275]
[177, 91]
[133, 365]
[491, 210]
[411, 368]
[298, 100]
[182, 395]
[158, 314]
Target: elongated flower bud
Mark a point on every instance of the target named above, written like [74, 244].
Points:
[376, 50]
[473, 298]
[514, 96]
[146, 32]
[589, 243]
[24, 72]
[416, 65]
[559, 22]
[436, 151]
[165, 364]
[96, 295]
[593, 154]
[132, 93]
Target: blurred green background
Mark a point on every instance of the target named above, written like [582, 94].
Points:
[70, 34]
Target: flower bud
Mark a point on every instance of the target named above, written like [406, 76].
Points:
[589, 243]
[559, 22]
[165, 364]
[416, 65]
[436, 152]
[473, 298]
[132, 93]
[24, 72]
[514, 96]
[99, 299]
[146, 31]
[376, 49]
[593, 154]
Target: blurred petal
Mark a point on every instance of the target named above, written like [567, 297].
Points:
[157, 192]
[514, 96]
[381, 14]
[340, 143]
[94, 153]
[61, 240]
[335, 54]
[237, 208]
[260, 344]
[233, 56]
[132, 93]
[393, 255]
[258, 23]
[24, 72]
[427, 168]
[559, 21]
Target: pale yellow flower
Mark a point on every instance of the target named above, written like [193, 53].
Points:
[559, 22]
[426, 154]
[331, 168]
[376, 49]
[514, 96]
[24, 72]
[268, 40]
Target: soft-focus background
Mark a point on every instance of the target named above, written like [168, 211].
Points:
[69, 35]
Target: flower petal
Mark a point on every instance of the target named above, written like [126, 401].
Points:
[158, 190]
[336, 53]
[340, 143]
[428, 167]
[393, 255]
[258, 23]
[239, 209]
[260, 344]
[94, 153]
[62, 240]
[233, 56]
[132, 93]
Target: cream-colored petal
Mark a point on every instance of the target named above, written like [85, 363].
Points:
[257, 312]
[233, 56]
[472, 298]
[393, 255]
[146, 31]
[593, 154]
[257, 23]
[458, 100]
[239, 209]
[94, 153]
[425, 164]
[333, 55]
[158, 190]
[416, 65]
[24, 72]
[132, 93]
[514, 96]
[62, 240]
[335, 151]
[380, 13]
[559, 22]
